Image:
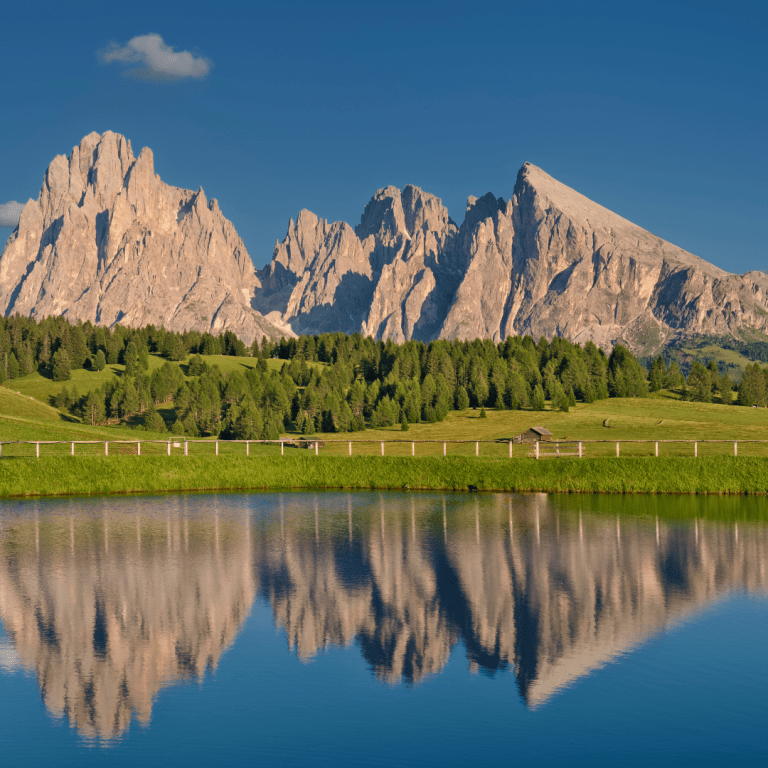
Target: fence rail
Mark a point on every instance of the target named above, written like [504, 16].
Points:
[537, 450]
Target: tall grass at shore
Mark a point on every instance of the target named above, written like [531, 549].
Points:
[148, 474]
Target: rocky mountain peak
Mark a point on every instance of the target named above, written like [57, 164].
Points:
[480, 209]
[548, 261]
[393, 213]
[383, 217]
[424, 212]
[108, 241]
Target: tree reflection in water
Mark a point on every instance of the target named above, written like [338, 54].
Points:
[109, 605]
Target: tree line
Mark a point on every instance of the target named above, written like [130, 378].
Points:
[332, 382]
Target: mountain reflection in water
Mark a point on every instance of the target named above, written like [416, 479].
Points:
[109, 602]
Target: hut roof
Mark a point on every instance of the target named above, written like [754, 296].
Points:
[541, 431]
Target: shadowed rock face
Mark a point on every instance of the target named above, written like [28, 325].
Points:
[107, 241]
[548, 262]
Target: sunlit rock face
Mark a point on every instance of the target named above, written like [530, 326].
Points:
[108, 241]
[107, 611]
[547, 261]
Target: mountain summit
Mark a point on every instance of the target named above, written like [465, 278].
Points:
[547, 262]
[108, 241]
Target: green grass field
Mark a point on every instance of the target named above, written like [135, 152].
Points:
[654, 418]
[664, 418]
[26, 416]
[50, 476]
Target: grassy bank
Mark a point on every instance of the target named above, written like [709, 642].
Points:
[147, 474]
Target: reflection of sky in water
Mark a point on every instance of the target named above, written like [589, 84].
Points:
[9, 659]
[112, 604]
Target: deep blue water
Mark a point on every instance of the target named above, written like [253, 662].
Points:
[383, 629]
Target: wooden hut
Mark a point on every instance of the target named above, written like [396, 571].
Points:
[534, 435]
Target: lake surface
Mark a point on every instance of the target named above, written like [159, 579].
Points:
[383, 629]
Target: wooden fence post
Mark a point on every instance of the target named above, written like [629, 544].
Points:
[382, 447]
[37, 450]
[317, 445]
[169, 446]
[282, 447]
[477, 449]
[217, 447]
[106, 448]
[735, 448]
[657, 449]
[579, 449]
[413, 449]
[444, 448]
[510, 449]
[695, 449]
[617, 449]
[72, 450]
[186, 447]
[138, 448]
[536, 446]
[247, 448]
[1, 450]
[350, 447]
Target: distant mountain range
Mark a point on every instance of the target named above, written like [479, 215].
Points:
[108, 241]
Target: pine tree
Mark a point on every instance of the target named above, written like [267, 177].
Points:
[657, 374]
[61, 366]
[13, 367]
[95, 412]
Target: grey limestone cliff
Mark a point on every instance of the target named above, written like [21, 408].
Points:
[548, 262]
[108, 241]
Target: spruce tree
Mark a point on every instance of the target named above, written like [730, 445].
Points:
[61, 366]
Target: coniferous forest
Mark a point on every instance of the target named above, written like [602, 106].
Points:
[330, 382]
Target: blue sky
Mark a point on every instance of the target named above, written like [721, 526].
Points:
[655, 110]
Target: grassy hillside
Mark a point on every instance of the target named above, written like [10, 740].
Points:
[735, 361]
[653, 418]
[26, 415]
[43, 389]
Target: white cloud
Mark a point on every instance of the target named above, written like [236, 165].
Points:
[9, 213]
[158, 61]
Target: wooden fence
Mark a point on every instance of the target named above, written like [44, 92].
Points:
[181, 446]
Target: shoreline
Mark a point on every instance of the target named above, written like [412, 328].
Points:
[120, 475]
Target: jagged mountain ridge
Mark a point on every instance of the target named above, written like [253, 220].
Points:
[108, 241]
[547, 262]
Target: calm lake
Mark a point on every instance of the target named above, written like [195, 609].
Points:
[384, 629]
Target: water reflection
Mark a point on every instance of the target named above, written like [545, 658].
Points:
[107, 609]
[108, 603]
[523, 584]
